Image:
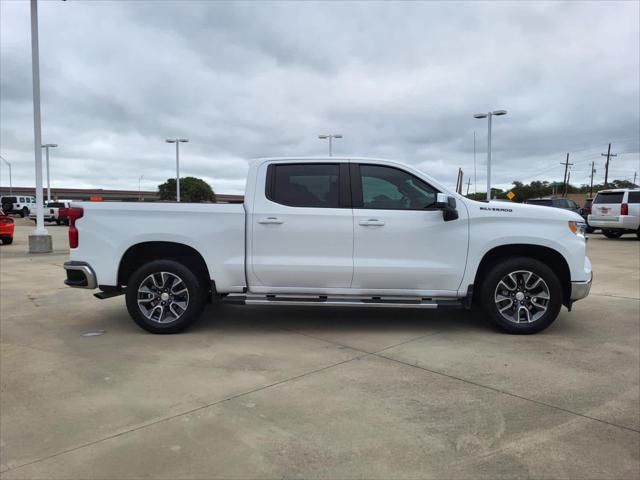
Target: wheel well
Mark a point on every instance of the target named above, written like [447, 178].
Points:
[146, 252]
[550, 257]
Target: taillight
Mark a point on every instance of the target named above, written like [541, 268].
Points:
[73, 214]
[6, 220]
[624, 209]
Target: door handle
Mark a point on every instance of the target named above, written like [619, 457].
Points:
[372, 222]
[273, 220]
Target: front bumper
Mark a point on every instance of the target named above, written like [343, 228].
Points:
[80, 275]
[579, 290]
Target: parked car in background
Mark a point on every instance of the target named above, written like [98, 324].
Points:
[564, 203]
[55, 212]
[17, 205]
[616, 212]
[341, 232]
[6, 228]
[585, 211]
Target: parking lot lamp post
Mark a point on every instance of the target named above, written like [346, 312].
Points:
[177, 141]
[330, 137]
[488, 116]
[10, 181]
[139, 188]
[40, 240]
[46, 146]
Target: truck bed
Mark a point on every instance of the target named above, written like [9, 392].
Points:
[108, 229]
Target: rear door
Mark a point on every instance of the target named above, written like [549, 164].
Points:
[606, 206]
[301, 227]
[401, 245]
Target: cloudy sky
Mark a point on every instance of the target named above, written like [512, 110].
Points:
[253, 79]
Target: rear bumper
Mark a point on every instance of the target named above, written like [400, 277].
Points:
[80, 275]
[621, 222]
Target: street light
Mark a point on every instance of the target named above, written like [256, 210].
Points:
[330, 137]
[177, 141]
[140, 189]
[46, 146]
[488, 116]
[10, 181]
[40, 240]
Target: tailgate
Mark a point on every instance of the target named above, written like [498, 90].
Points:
[606, 205]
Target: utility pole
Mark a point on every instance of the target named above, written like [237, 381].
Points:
[566, 169]
[593, 170]
[634, 177]
[606, 165]
[469, 183]
[459, 181]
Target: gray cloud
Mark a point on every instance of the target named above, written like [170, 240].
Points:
[249, 79]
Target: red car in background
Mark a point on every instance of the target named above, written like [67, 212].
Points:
[6, 228]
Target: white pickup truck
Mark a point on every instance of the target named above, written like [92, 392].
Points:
[333, 231]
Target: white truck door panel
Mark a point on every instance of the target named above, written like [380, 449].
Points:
[301, 236]
[398, 244]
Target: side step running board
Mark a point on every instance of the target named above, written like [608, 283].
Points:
[342, 302]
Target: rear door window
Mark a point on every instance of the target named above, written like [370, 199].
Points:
[305, 185]
[609, 197]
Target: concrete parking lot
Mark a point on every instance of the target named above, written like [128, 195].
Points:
[284, 392]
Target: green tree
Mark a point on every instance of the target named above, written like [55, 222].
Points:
[193, 190]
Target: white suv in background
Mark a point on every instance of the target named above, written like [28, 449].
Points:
[616, 212]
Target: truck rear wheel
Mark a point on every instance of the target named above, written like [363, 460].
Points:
[164, 296]
[521, 295]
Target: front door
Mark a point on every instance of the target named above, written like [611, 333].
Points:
[400, 243]
[302, 228]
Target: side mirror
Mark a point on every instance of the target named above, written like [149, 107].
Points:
[447, 204]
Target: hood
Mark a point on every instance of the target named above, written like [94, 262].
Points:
[505, 209]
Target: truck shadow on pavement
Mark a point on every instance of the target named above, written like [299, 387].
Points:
[365, 320]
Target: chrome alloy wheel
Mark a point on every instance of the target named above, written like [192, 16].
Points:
[163, 297]
[522, 297]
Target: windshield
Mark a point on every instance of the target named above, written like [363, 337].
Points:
[546, 203]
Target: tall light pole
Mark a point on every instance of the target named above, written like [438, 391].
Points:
[139, 188]
[177, 141]
[330, 137]
[46, 146]
[40, 240]
[10, 181]
[488, 116]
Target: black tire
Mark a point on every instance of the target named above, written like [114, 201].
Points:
[58, 222]
[590, 229]
[612, 233]
[7, 241]
[195, 304]
[24, 212]
[502, 269]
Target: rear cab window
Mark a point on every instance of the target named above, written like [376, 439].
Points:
[634, 197]
[609, 197]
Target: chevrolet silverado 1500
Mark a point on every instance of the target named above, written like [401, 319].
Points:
[338, 232]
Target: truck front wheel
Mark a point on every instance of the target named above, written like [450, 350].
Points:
[164, 296]
[521, 295]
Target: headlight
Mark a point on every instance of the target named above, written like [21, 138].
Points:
[579, 228]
